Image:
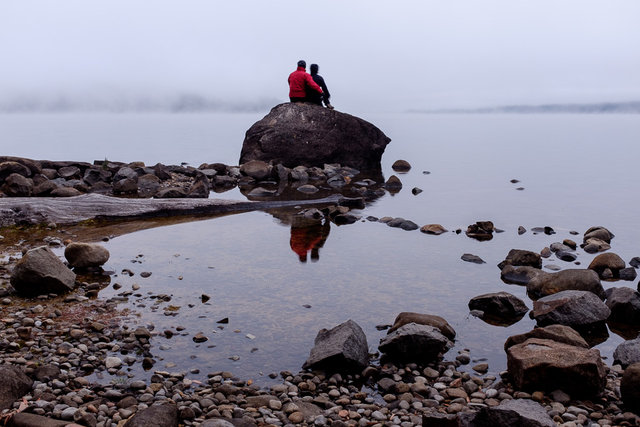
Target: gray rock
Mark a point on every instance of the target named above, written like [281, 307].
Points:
[13, 385]
[200, 189]
[415, 342]
[95, 175]
[299, 134]
[472, 258]
[521, 257]
[125, 186]
[407, 317]
[521, 275]
[627, 353]
[571, 308]
[559, 333]
[165, 415]
[571, 279]
[343, 348]
[514, 412]
[539, 364]
[635, 262]
[624, 304]
[41, 272]
[125, 173]
[16, 185]
[628, 274]
[85, 255]
[499, 304]
[256, 169]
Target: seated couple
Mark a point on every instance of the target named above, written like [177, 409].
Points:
[304, 87]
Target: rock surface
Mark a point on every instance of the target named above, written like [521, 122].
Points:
[627, 353]
[499, 304]
[415, 343]
[544, 284]
[624, 304]
[560, 333]
[630, 387]
[165, 415]
[424, 319]
[295, 134]
[521, 257]
[539, 364]
[515, 412]
[86, 255]
[570, 308]
[13, 385]
[40, 272]
[342, 349]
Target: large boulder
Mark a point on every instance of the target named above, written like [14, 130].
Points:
[415, 343]
[539, 364]
[559, 333]
[514, 412]
[165, 415]
[86, 255]
[578, 309]
[407, 317]
[13, 385]
[607, 265]
[341, 349]
[572, 279]
[624, 304]
[499, 305]
[41, 272]
[627, 353]
[295, 134]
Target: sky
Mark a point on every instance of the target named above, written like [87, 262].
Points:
[376, 56]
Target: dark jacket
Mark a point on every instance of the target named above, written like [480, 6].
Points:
[299, 81]
[315, 97]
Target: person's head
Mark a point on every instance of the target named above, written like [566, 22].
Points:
[314, 68]
[302, 63]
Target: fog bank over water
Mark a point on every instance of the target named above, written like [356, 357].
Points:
[375, 56]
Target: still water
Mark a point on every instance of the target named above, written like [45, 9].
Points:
[577, 171]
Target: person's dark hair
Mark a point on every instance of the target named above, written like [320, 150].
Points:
[314, 68]
[302, 64]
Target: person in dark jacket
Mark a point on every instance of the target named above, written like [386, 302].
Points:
[301, 84]
[315, 97]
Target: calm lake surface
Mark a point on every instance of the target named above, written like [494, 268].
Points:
[577, 171]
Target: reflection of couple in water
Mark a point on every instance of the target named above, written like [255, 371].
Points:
[309, 238]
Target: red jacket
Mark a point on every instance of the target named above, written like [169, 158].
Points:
[299, 80]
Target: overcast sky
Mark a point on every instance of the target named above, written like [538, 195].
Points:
[374, 55]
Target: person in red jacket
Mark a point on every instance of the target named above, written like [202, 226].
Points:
[300, 82]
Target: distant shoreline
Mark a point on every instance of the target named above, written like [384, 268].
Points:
[596, 108]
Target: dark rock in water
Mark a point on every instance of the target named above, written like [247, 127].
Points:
[635, 262]
[566, 256]
[308, 188]
[520, 257]
[545, 252]
[521, 230]
[345, 219]
[86, 255]
[598, 232]
[520, 275]
[405, 224]
[578, 309]
[17, 185]
[165, 415]
[436, 229]
[570, 243]
[352, 202]
[499, 304]
[630, 387]
[405, 318]
[513, 412]
[624, 304]
[571, 279]
[481, 230]
[256, 169]
[295, 134]
[559, 333]
[415, 191]
[401, 166]
[609, 261]
[557, 246]
[415, 342]
[628, 273]
[41, 272]
[342, 349]
[472, 258]
[539, 364]
[393, 184]
[14, 384]
[627, 353]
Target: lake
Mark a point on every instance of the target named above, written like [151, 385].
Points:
[577, 171]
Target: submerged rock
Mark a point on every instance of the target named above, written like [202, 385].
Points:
[521, 257]
[499, 304]
[297, 134]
